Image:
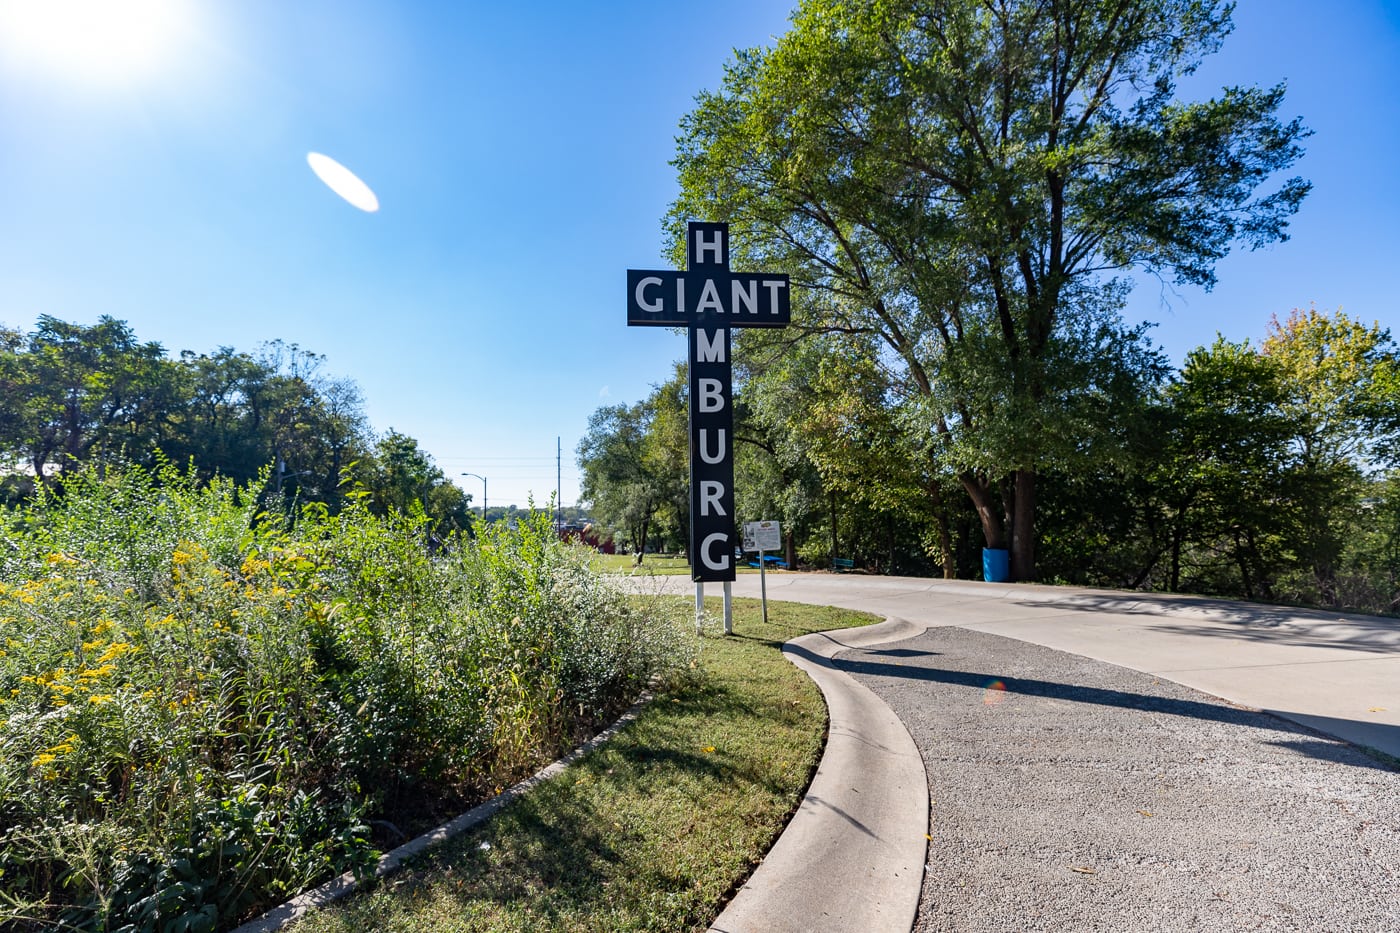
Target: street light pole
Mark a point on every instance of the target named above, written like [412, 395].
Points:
[483, 493]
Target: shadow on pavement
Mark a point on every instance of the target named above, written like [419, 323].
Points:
[1308, 742]
[1248, 621]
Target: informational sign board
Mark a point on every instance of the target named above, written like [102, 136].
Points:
[708, 299]
[763, 536]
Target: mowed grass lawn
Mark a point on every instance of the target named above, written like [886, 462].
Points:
[660, 564]
[654, 830]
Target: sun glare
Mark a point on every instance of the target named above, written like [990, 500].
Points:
[92, 40]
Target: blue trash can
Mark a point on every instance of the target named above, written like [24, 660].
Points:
[996, 565]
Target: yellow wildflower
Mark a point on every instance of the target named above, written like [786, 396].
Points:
[116, 650]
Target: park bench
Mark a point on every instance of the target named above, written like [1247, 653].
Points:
[842, 564]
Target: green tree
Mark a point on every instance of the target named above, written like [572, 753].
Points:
[636, 465]
[402, 477]
[71, 389]
[953, 176]
[775, 477]
[1339, 381]
[666, 454]
[618, 479]
[837, 426]
[243, 412]
[1226, 481]
[71, 393]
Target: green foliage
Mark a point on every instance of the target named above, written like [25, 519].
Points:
[636, 468]
[1260, 472]
[403, 478]
[72, 395]
[68, 390]
[651, 831]
[946, 182]
[204, 708]
[1227, 492]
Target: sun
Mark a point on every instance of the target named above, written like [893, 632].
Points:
[102, 41]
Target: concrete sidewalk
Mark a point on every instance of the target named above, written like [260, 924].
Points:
[852, 857]
[1338, 674]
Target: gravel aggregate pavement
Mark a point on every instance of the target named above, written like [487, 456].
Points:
[1070, 794]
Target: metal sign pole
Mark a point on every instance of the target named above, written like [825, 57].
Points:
[728, 608]
[763, 585]
[699, 607]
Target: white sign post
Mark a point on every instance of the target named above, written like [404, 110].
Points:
[762, 536]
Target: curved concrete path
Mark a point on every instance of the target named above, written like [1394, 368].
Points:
[852, 857]
[1336, 673]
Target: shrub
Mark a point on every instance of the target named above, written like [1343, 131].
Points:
[203, 709]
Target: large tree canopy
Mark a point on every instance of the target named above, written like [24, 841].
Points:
[953, 178]
[67, 389]
[72, 394]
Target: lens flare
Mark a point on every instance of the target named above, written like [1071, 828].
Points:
[994, 694]
[343, 181]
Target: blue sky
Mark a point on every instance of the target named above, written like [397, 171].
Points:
[520, 156]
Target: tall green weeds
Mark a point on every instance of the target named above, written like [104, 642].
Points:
[204, 709]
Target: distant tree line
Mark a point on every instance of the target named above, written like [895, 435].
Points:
[1268, 471]
[73, 395]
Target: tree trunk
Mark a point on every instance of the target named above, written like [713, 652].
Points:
[945, 534]
[835, 553]
[1242, 561]
[641, 544]
[1178, 533]
[890, 569]
[993, 529]
[1023, 528]
[790, 549]
[1174, 581]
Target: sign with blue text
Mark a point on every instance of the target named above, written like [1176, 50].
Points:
[708, 299]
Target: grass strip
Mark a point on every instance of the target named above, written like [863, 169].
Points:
[659, 564]
[664, 564]
[651, 832]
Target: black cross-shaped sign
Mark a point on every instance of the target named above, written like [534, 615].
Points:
[707, 299]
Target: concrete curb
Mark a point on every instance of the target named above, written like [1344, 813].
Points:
[337, 888]
[852, 857]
